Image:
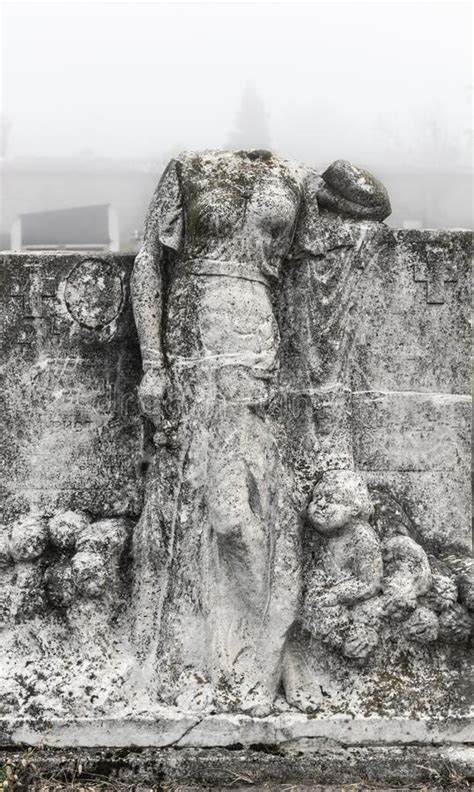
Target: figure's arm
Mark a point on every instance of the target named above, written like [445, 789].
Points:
[408, 570]
[367, 580]
[353, 590]
[350, 591]
[163, 227]
[147, 299]
[344, 191]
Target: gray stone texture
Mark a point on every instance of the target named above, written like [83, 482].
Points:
[303, 766]
[268, 540]
[73, 433]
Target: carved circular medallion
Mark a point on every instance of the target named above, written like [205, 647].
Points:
[94, 293]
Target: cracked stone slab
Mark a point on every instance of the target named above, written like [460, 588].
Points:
[407, 431]
[404, 341]
[160, 732]
[185, 730]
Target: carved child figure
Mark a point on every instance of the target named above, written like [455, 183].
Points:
[339, 510]
[338, 609]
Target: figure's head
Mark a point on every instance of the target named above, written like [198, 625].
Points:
[338, 498]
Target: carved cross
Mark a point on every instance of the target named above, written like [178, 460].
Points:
[35, 302]
[435, 270]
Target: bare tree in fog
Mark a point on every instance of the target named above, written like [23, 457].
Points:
[251, 123]
[430, 143]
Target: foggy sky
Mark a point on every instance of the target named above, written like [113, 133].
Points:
[381, 84]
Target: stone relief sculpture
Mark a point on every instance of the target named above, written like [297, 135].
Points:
[371, 595]
[265, 572]
[223, 576]
[218, 544]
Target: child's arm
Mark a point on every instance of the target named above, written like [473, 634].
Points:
[367, 569]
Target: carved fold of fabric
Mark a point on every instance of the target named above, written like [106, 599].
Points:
[215, 267]
[222, 320]
[218, 525]
[165, 219]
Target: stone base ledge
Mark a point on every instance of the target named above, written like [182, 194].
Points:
[186, 730]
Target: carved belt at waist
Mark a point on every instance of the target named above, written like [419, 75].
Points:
[231, 269]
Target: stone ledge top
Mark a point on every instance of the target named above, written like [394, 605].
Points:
[403, 234]
[170, 727]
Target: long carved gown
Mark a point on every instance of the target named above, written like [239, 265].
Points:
[217, 548]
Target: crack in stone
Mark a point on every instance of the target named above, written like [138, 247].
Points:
[187, 731]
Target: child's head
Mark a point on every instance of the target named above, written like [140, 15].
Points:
[338, 498]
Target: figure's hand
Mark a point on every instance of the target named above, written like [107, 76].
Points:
[329, 598]
[360, 641]
[151, 393]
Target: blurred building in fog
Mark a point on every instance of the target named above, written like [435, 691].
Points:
[43, 186]
[79, 228]
[36, 191]
[429, 199]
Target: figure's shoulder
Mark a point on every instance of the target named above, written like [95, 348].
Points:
[209, 165]
[211, 158]
[306, 176]
[402, 546]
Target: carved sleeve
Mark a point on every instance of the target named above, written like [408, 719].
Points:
[307, 240]
[163, 228]
[164, 223]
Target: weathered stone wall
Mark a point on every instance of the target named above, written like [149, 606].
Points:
[411, 381]
[74, 437]
[73, 431]
[76, 449]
